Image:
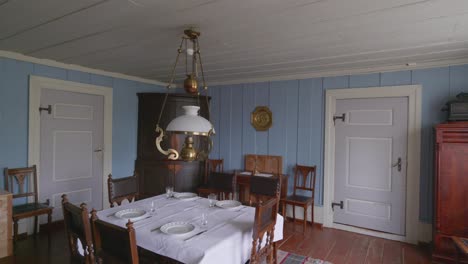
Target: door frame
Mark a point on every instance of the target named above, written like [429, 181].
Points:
[36, 84]
[414, 228]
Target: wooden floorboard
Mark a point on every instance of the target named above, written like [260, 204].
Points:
[342, 247]
[333, 245]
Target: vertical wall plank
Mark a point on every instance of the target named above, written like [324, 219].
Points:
[236, 127]
[261, 99]
[248, 131]
[124, 115]
[51, 72]
[292, 108]
[458, 80]
[310, 128]
[395, 78]
[364, 80]
[215, 110]
[338, 82]
[77, 76]
[101, 80]
[278, 103]
[225, 126]
[435, 84]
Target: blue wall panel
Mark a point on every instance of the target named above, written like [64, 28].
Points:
[278, 106]
[248, 132]
[236, 127]
[225, 126]
[435, 84]
[214, 108]
[297, 134]
[292, 112]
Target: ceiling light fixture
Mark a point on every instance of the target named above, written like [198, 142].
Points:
[190, 123]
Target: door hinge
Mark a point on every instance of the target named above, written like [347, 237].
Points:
[342, 117]
[48, 109]
[397, 164]
[340, 204]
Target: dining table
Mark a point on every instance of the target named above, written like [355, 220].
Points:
[216, 235]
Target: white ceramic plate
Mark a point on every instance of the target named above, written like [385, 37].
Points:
[177, 228]
[132, 214]
[185, 196]
[228, 204]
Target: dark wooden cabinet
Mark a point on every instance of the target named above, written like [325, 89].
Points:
[451, 189]
[155, 171]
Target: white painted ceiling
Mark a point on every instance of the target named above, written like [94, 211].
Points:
[241, 40]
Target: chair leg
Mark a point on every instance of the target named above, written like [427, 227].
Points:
[49, 222]
[305, 218]
[312, 214]
[35, 225]
[275, 250]
[294, 212]
[284, 211]
[15, 232]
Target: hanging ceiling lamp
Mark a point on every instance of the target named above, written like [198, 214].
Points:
[190, 123]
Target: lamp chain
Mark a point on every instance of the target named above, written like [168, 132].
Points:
[171, 81]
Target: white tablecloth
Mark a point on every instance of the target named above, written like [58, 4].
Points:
[228, 238]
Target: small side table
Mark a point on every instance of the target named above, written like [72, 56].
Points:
[461, 244]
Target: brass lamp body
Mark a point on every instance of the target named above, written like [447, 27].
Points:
[188, 153]
[191, 84]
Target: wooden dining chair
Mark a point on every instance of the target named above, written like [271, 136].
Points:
[304, 181]
[263, 247]
[263, 189]
[122, 189]
[114, 244]
[220, 183]
[26, 179]
[212, 165]
[77, 225]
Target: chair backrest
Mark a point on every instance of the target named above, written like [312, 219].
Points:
[213, 165]
[263, 231]
[24, 178]
[263, 163]
[114, 244]
[122, 189]
[263, 189]
[76, 220]
[304, 178]
[223, 184]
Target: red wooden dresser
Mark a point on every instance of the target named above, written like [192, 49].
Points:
[451, 189]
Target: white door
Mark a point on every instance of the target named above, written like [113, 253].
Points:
[370, 163]
[71, 156]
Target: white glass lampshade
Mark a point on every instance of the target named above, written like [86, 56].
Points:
[190, 123]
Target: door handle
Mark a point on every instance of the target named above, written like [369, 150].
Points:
[98, 150]
[398, 163]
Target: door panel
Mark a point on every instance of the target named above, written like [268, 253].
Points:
[71, 160]
[371, 139]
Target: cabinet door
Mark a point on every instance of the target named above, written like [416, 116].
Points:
[452, 188]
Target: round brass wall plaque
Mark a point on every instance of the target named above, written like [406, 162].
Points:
[261, 118]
